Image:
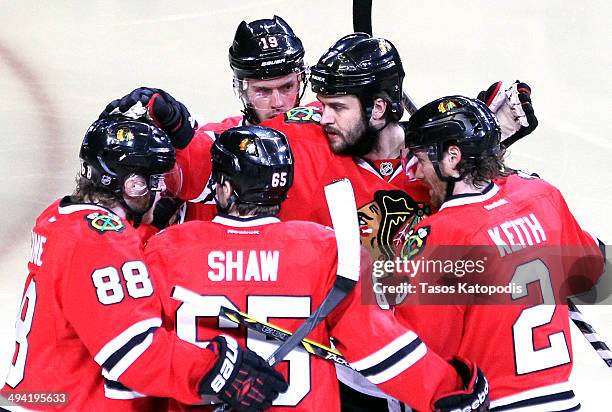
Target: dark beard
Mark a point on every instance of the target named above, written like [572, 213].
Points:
[363, 144]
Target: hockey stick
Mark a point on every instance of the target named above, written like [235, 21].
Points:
[341, 203]
[184, 295]
[342, 210]
[362, 22]
[590, 334]
[282, 335]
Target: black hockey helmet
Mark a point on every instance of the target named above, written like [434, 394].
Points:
[116, 146]
[361, 65]
[466, 122]
[257, 161]
[265, 49]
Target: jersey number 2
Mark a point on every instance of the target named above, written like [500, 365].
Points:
[527, 358]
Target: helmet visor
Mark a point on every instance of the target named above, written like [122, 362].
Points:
[168, 184]
[280, 93]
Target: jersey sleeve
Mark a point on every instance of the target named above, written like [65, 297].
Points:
[108, 298]
[195, 163]
[387, 352]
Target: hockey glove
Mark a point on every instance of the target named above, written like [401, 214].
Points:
[475, 396]
[165, 212]
[166, 112]
[241, 378]
[513, 109]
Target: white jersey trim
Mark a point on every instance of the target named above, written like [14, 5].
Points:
[400, 366]
[249, 222]
[112, 393]
[468, 200]
[120, 340]
[386, 351]
[116, 371]
[556, 405]
[367, 166]
[66, 210]
[382, 357]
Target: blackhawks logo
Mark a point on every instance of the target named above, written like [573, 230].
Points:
[303, 115]
[247, 145]
[104, 222]
[414, 243]
[446, 105]
[381, 220]
[125, 135]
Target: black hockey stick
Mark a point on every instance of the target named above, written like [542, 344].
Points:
[280, 334]
[342, 210]
[341, 204]
[590, 334]
[362, 22]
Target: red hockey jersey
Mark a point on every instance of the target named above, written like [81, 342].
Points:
[531, 242]
[280, 272]
[90, 314]
[386, 197]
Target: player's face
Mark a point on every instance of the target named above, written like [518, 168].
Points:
[343, 122]
[425, 171]
[272, 97]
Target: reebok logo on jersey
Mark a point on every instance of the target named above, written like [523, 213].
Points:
[104, 222]
[495, 204]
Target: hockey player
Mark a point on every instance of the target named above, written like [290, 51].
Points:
[89, 321]
[270, 76]
[247, 259]
[524, 230]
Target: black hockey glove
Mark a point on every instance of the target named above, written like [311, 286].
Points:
[513, 109]
[475, 396]
[241, 378]
[164, 212]
[165, 111]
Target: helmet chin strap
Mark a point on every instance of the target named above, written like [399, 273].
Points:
[230, 200]
[450, 180]
[250, 115]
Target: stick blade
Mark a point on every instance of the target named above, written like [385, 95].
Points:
[341, 204]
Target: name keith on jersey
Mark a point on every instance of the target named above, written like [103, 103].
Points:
[243, 265]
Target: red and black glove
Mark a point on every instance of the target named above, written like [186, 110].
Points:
[241, 378]
[475, 396]
[513, 109]
[164, 110]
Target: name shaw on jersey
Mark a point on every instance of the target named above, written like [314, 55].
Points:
[243, 266]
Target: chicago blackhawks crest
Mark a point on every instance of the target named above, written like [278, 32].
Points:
[103, 222]
[303, 115]
[381, 220]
